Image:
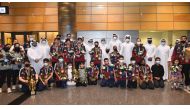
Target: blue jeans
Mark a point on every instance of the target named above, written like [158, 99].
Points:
[121, 83]
[61, 83]
[107, 83]
[41, 86]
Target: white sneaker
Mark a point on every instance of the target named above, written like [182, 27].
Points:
[9, 90]
[51, 85]
[0, 90]
[14, 87]
[20, 86]
[188, 88]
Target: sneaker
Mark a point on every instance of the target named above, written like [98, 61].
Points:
[14, 87]
[1, 90]
[20, 86]
[9, 90]
[51, 85]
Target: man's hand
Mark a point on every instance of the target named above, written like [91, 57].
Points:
[46, 81]
[26, 81]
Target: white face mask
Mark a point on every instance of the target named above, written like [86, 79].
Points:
[69, 66]
[138, 43]
[103, 42]
[133, 62]
[46, 64]
[163, 43]
[60, 60]
[127, 40]
[121, 61]
[43, 42]
[115, 38]
[157, 62]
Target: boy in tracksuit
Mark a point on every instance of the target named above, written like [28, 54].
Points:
[107, 74]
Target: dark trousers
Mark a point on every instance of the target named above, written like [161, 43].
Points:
[90, 82]
[81, 83]
[5, 75]
[107, 83]
[185, 70]
[15, 76]
[121, 83]
[159, 83]
[41, 86]
[53, 65]
[77, 65]
[61, 83]
[25, 88]
[147, 85]
[132, 84]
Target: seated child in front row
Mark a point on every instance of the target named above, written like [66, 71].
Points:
[145, 76]
[132, 74]
[158, 73]
[60, 72]
[175, 75]
[45, 76]
[107, 74]
[25, 75]
[92, 73]
[82, 80]
[120, 73]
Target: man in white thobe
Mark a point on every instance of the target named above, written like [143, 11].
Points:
[126, 49]
[114, 42]
[150, 52]
[35, 56]
[163, 51]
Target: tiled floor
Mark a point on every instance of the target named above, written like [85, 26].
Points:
[7, 98]
[98, 95]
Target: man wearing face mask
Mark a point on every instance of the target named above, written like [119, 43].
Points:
[68, 37]
[158, 73]
[120, 73]
[61, 73]
[79, 53]
[96, 55]
[25, 73]
[162, 52]
[115, 42]
[177, 42]
[114, 56]
[104, 47]
[45, 76]
[45, 48]
[68, 52]
[132, 74]
[35, 56]
[151, 50]
[88, 47]
[13, 46]
[17, 60]
[126, 49]
[5, 67]
[139, 51]
[179, 53]
[55, 50]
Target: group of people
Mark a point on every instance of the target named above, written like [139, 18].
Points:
[35, 66]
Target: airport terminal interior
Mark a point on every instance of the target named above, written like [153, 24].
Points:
[96, 20]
